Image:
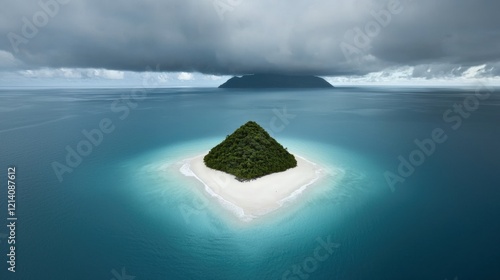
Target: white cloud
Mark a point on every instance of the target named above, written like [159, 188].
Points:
[184, 76]
[213, 77]
[69, 73]
[475, 71]
[112, 74]
[73, 73]
[431, 75]
[39, 73]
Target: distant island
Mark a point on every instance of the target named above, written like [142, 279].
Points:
[276, 81]
[249, 153]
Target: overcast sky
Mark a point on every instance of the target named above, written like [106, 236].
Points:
[195, 42]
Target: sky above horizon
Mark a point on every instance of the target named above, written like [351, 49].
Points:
[203, 43]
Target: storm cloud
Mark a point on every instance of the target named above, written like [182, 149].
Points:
[228, 37]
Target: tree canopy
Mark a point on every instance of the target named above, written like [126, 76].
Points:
[249, 153]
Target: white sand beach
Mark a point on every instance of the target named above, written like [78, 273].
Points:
[254, 198]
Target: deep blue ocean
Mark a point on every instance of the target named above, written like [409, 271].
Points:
[119, 209]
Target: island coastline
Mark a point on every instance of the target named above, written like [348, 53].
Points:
[276, 81]
[252, 199]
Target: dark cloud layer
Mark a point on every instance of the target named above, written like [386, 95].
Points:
[319, 37]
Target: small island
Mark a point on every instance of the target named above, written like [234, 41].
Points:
[276, 81]
[249, 153]
[250, 173]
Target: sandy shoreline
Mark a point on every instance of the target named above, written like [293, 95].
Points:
[251, 199]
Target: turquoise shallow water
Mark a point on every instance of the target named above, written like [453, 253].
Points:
[119, 212]
[160, 172]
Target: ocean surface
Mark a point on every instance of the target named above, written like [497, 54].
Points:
[99, 194]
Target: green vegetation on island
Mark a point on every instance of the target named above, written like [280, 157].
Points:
[249, 153]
